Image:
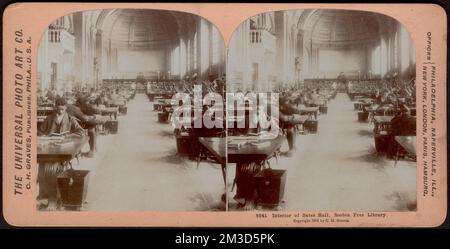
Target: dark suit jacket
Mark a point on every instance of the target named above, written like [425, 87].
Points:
[403, 125]
[74, 111]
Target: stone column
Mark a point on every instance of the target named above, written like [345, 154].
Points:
[44, 62]
[78, 53]
[222, 56]
[209, 48]
[109, 59]
[301, 59]
[98, 56]
[88, 55]
[280, 34]
[199, 48]
[245, 55]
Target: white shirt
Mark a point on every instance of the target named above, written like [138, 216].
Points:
[59, 118]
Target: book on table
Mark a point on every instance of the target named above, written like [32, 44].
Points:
[64, 143]
[260, 143]
[56, 134]
[262, 135]
[236, 143]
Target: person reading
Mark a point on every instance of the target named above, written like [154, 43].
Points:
[85, 113]
[289, 117]
[60, 123]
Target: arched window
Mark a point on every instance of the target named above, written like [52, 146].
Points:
[182, 58]
[396, 54]
[205, 41]
[384, 54]
[175, 61]
[376, 61]
[195, 51]
[188, 55]
[215, 46]
[405, 44]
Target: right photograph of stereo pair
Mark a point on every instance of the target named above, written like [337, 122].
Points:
[321, 113]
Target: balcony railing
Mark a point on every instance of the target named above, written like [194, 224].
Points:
[262, 36]
[255, 36]
[62, 37]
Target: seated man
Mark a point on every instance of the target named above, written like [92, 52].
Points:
[288, 119]
[403, 124]
[50, 95]
[87, 120]
[113, 97]
[60, 122]
[246, 194]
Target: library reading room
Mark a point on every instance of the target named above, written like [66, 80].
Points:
[301, 110]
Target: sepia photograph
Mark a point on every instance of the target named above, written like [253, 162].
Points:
[206, 115]
[346, 104]
[124, 96]
[106, 136]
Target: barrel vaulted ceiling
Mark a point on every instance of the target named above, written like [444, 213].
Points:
[340, 27]
[141, 28]
[331, 27]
